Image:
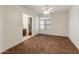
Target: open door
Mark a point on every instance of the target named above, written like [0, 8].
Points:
[27, 26]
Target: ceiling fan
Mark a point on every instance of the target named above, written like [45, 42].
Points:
[47, 10]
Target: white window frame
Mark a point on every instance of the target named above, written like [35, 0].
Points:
[45, 24]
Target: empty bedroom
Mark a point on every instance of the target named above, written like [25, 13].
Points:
[39, 29]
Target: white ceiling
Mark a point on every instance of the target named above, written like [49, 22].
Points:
[57, 8]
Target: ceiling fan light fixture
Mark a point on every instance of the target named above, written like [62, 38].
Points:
[46, 12]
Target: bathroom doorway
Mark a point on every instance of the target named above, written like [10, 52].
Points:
[27, 26]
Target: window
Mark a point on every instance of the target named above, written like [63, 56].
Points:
[45, 24]
[48, 23]
[42, 24]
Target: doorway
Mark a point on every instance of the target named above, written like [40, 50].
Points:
[30, 26]
[27, 26]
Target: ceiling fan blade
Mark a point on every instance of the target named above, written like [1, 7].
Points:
[50, 9]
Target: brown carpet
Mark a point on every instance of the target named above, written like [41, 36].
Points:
[44, 44]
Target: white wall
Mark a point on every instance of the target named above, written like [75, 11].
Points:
[35, 25]
[13, 25]
[1, 27]
[59, 24]
[74, 25]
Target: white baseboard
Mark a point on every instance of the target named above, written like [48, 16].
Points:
[10, 47]
[29, 37]
[17, 43]
[74, 43]
[55, 35]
